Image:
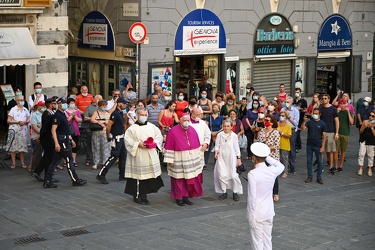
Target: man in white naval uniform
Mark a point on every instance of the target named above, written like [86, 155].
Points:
[260, 209]
[202, 130]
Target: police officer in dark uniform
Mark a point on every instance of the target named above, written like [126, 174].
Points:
[46, 139]
[63, 147]
[115, 134]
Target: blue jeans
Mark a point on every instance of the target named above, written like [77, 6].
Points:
[292, 152]
[309, 152]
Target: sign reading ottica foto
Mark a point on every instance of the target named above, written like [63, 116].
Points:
[96, 32]
[335, 34]
[274, 36]
[200, 32]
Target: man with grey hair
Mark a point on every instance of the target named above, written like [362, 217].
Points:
[292, 117]
[142, 162]
[165, 98]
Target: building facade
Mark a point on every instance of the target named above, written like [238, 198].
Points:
[319, 46]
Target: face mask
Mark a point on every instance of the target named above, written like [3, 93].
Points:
[84, 94]
[167, 98]
[261, 115]
[180, 98]
[365, 104]
[154, 102]
[275, 98]
[22, 103]
[230, 103]
[315, 117]
[287, 105]
[215, 111]
[373, 121]
[267, 124]
[104, 108]
[72, 106]
[261, 103]
[255, 106]
[38, 91]
[192, 102]
[197, 119]
[271, 108]
[64, 106]
[349, 101]
[185, 124]
[282, 118]
[248, 90]
[42, 110]
[255, 97]
[204, 96]
[124, 107]
[18, 93]
[142, 119]
[296, 94]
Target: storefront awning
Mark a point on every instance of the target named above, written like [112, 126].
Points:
[334, 54]
[17, 47]
[275, 57]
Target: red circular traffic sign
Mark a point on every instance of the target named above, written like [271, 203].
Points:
[137, 32]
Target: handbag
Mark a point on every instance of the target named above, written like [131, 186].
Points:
[240, 169]
[244, 123]
[95, 126]
[71, 128]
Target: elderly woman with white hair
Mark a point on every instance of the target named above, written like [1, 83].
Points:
[18, 118]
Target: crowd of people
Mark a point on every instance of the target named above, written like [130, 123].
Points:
[182, 134]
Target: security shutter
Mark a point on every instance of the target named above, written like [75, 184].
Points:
[268, 75]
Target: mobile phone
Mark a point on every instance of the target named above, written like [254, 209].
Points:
[308, 116]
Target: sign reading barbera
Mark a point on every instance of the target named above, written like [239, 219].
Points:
[200, 32]
[96, 32]
[335, 34]
[274, 36]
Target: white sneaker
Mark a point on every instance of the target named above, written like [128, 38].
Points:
[94, 166]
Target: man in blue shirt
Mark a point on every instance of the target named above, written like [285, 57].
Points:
[115, 134]
[316, 139]
[63, 147]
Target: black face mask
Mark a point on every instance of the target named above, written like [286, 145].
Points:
[130, 89]
[154, 102]
[192, 102]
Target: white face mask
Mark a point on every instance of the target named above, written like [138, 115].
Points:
[186, 124]
[180, 98]
[142, 119]
[84, 94]
[261, 115]
[271, 108]
[197, 119]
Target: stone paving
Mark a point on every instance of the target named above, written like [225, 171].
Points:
[336, 215]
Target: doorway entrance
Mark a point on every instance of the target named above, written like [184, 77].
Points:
[189, 74]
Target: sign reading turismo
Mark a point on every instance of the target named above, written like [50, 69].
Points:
[200, 32]
[274, 36]
[96, 32]
[335, 34]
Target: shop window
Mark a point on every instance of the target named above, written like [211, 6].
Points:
[310, 76]
[81, 75]
[357, 73]
[244, 78]
[38, 3]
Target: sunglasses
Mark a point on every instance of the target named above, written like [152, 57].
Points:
[372, 115]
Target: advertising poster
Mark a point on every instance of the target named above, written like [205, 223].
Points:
[162, 76]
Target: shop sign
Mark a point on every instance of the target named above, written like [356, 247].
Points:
[8, 3]
[335, 34]
[11, 19]
[200, 32]
[274, 36]
[96, 32]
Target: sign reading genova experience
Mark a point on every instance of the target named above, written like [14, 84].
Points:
[274, 35]
[200, 32]
[96, 32]
[335, 34]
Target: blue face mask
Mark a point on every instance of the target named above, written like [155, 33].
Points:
[104, 108]
[167, 98]
[204, 96]
[18, 93]
[261, 103]
[373, 121]
[72, 106]
[255, 97]
[22, 103]
[282, 118]
[230, 103]
[287, 105]
[255, 106]
[315, 117]
[142, 119]
[64, 106]
[38, 91]
[42, 110]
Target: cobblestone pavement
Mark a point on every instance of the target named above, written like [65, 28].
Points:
[336, 215]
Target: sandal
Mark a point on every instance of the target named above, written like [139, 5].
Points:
[59, 167]
[13, 166]
[87, 163]
[75, 165]
[23, 166]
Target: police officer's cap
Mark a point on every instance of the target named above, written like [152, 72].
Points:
[50, 100]
[122, 100]
[260, 149]
[62, 100]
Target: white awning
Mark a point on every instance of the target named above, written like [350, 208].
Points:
[275, 57]
[17, 47]
[334, 54]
